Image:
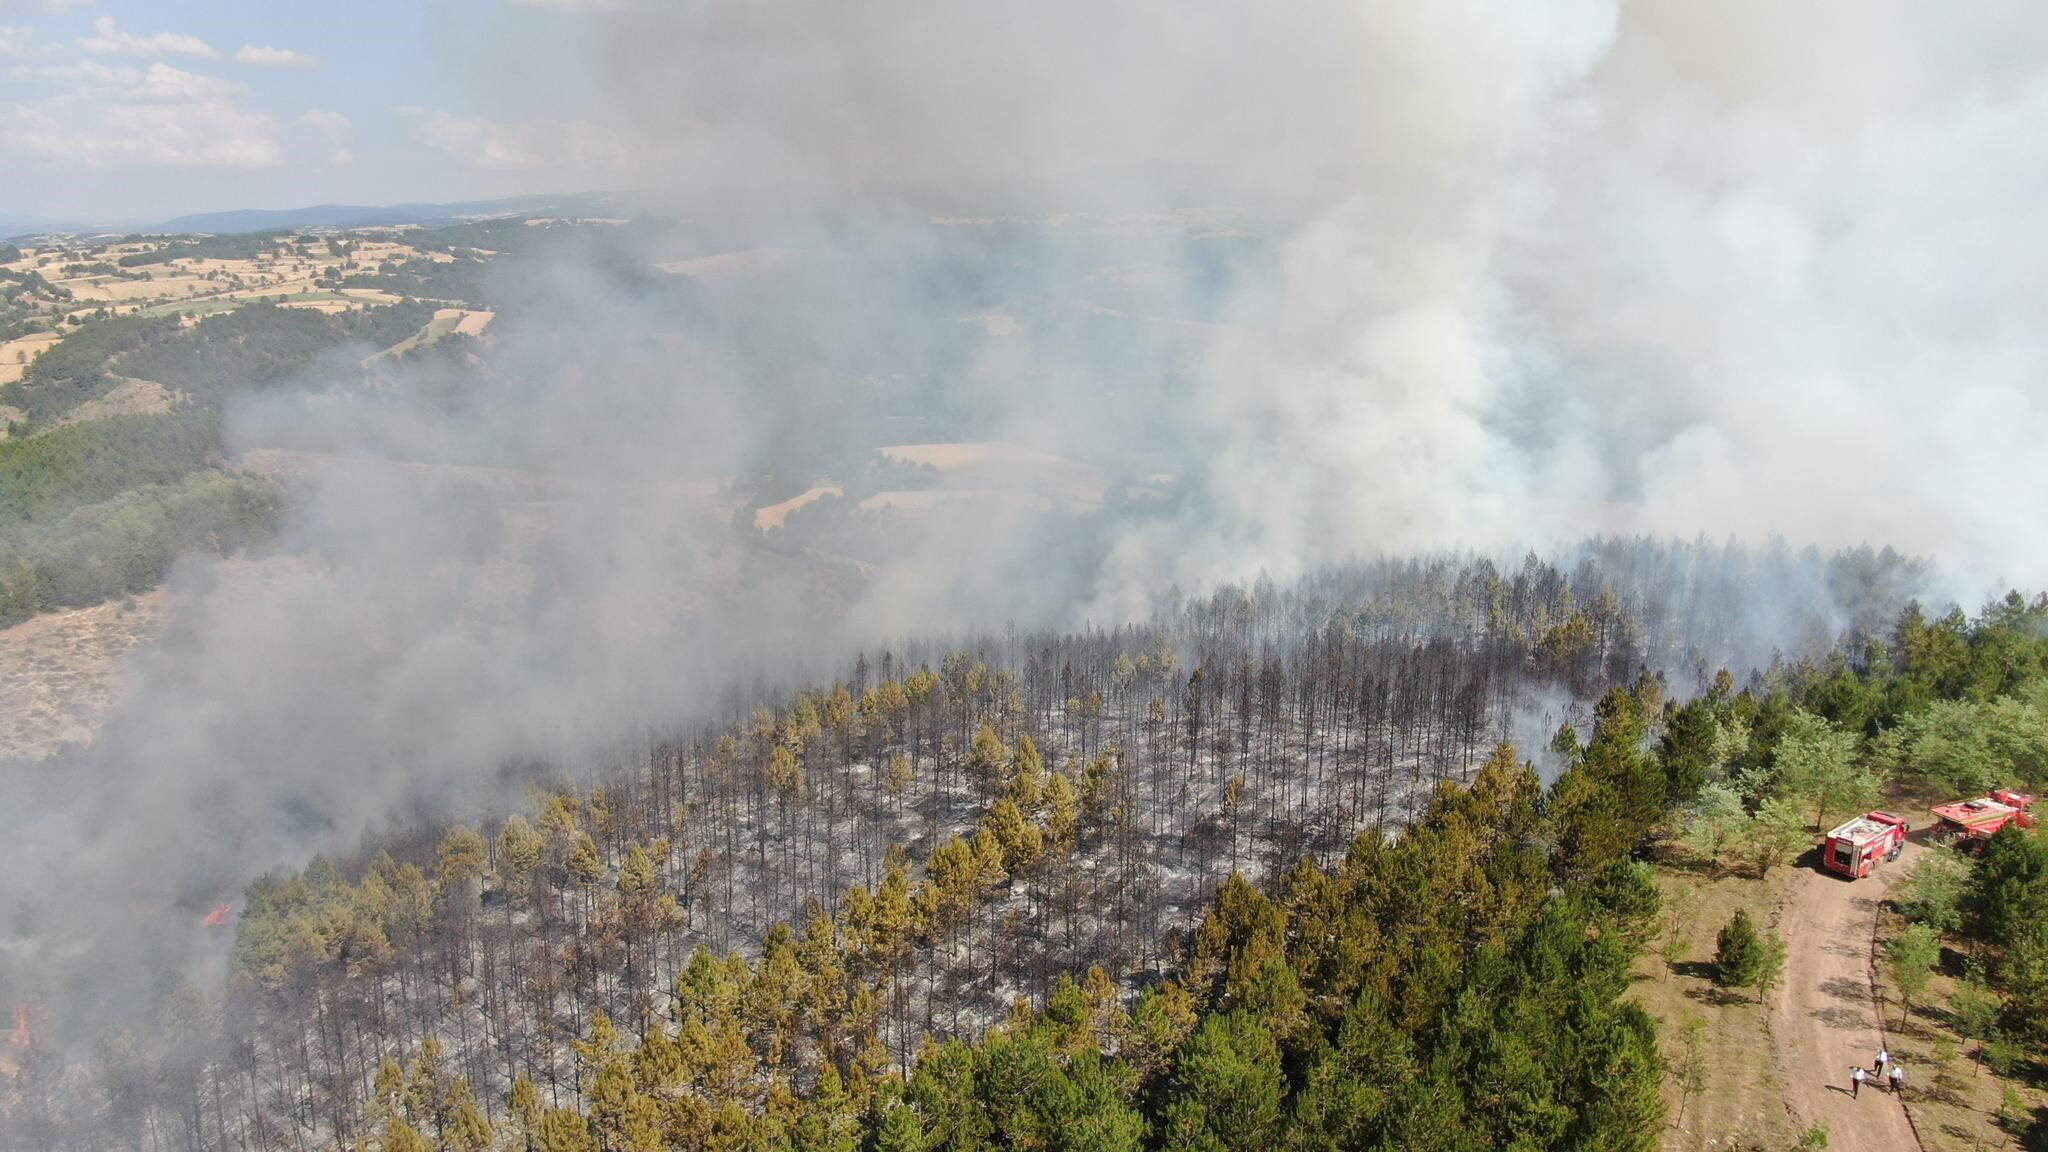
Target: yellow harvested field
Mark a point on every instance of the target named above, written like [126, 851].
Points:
[197, 281]
[1001, 464]
[734, 263]
[328, 306]
[924, 499]
[113, 290]
[370, 296]
[774, 514]
[17, 355]
[446, 321]
[969, 453]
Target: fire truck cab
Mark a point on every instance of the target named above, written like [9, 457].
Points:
[1863, 843]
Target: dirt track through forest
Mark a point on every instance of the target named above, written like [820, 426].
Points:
[1825, 1020]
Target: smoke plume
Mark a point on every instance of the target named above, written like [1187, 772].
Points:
[1344, 279]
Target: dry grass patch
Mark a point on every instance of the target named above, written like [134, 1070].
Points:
[370, 295]
[774, 514]
[58, 672]
[16, 355]
[1952, 1094]
[130, 397]
[94, 290]
[1723, 1088]
[1002, 464]
[969, 454]
[744, 262]
[925, 499]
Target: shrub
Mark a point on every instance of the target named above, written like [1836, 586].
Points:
[1738, 953]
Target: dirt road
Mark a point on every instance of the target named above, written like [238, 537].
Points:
[1825, 1020]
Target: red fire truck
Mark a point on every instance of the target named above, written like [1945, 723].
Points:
[1863, 843]
[1969, 823]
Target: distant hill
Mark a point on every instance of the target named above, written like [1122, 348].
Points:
[332, 216]
[362, 216]
[14, 226]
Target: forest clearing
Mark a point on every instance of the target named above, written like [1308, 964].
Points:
[1717, 1090]
[59, 672]
[128, 397]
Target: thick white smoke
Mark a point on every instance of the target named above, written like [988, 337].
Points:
[1534, 270]
[1367, 277]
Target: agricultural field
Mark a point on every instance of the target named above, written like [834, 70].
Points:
[1003, 465]
[446, 322]
[774, 514]
[17, 354]
[746, 262]
[163, 275]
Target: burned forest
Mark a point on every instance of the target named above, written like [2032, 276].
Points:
[944, 577]
[945, 836]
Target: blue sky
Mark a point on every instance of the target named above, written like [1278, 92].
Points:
[126, 110]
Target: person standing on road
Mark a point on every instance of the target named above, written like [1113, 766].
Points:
[1898, 1075]
[1883, 1058]
[1855, 1081]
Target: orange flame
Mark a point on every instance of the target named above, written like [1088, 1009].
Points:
[26, 1016]
[219, 915]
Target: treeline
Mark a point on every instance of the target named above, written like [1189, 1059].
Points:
[44, 478]
[246, 246]
[1951, 705]
[464, 279]
[900, 858]
[1457, 987]
[123, 546]
[101, 508]
[947, 832]
[75, 369]
[26, 299]
[1956, 702]
[1032, 862]
[223, 355]
[262, 344]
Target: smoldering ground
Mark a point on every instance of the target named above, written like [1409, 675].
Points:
[1363, 278]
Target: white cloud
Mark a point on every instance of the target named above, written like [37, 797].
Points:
[334, 131]
[15, 39]
[109, 40]
[268, 57]
[112, 116]
[518, 144]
